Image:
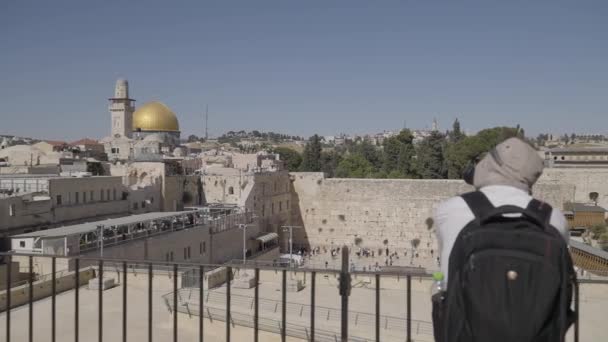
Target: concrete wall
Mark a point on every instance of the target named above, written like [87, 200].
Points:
[382, 213]
[43, 288]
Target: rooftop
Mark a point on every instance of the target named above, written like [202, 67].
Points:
[583, 207]
[88, 227]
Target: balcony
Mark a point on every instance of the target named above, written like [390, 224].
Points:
[92, 299]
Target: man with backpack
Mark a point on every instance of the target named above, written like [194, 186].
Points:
[505, 253]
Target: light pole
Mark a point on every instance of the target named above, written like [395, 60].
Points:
[290, 241]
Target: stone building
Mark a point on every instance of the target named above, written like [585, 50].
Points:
[577, 157]
[584, 215]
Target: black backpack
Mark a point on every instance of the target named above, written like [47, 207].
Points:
[511, 277]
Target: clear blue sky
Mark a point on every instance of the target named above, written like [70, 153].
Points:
[305, 67]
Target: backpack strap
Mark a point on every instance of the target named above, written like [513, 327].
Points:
[478, 202]
[541, 209]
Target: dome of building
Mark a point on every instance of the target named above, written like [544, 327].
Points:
[156, 117]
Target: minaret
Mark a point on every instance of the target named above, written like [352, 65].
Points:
[435, 125]
[121, 109]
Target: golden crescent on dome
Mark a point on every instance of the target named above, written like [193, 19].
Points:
[155, 116]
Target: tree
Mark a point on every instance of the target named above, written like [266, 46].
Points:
[456, 134]
[193, 138]
[329, 163]
[354, 166]
[311, 159]
[292, 158]
[369, 152]
[398, 154]
[430, 157]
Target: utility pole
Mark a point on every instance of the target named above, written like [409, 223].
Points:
[290, 241]
[244, 228]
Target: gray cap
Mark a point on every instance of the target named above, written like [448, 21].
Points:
[513, 163]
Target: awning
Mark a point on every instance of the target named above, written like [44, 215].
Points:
[268, 237]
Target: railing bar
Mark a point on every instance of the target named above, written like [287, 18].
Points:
[228, 278]
[576, 308]
[150, 271]
[9, 263]
[377, 307]
[409, 308]
[201, 283]
[31, 300]
[124, 302]
[76, 299]
[256, 312]
[174, 302]
[312, 305]
[100, 305]
[53, 299]
[284, 307]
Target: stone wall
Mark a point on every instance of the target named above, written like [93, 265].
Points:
[380, 213]
[585, 181]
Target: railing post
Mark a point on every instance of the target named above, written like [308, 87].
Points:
[53, 299]
[31, 299]
[228, 278]
[377, 307]
[9, 262]
[124, 302]
[150, 302]
[100, 304]
[312, 305]
[201, 282]
[345, 285]
[409, 308]
[576, 309]
[174, 302]
[284, 307]
[76, 299]
[256, 312]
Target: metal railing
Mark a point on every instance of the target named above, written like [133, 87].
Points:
[282, 326]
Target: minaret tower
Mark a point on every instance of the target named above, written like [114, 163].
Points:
[121, 109]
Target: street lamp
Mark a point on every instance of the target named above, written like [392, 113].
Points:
[290, 241]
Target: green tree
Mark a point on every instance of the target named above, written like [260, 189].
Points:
[369, 152]
[458, 155]
[398, 154]
[329, 163]
[354, 166]
[456, 134]
[311, 158]
[430, 157]
[292, 158]
[193, 138]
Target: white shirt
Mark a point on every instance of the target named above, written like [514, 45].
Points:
[454, 214]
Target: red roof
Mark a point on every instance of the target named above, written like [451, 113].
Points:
[85, 141]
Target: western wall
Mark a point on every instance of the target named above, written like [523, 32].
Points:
[387, 213]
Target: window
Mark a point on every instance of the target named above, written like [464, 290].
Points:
[108, 194]
[151, 199]
[143, 204]
[12, 210]
[230, 191]
[263, 210]
[101, 195]
[84, 197]
[287, 205]
[280, 206]
[92, 197]
[58, 199]
[114, 194]
[22, 244]
[200, 248]
[171, 256]
[76, 195]
[188, 252]
[185, 254]
[135, 205]
[204, 246]
[167, 257]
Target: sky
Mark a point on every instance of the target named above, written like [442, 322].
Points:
[306, 67]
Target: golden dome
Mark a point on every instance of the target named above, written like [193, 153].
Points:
[155, 116]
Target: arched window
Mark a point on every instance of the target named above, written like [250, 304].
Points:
[230, 191]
